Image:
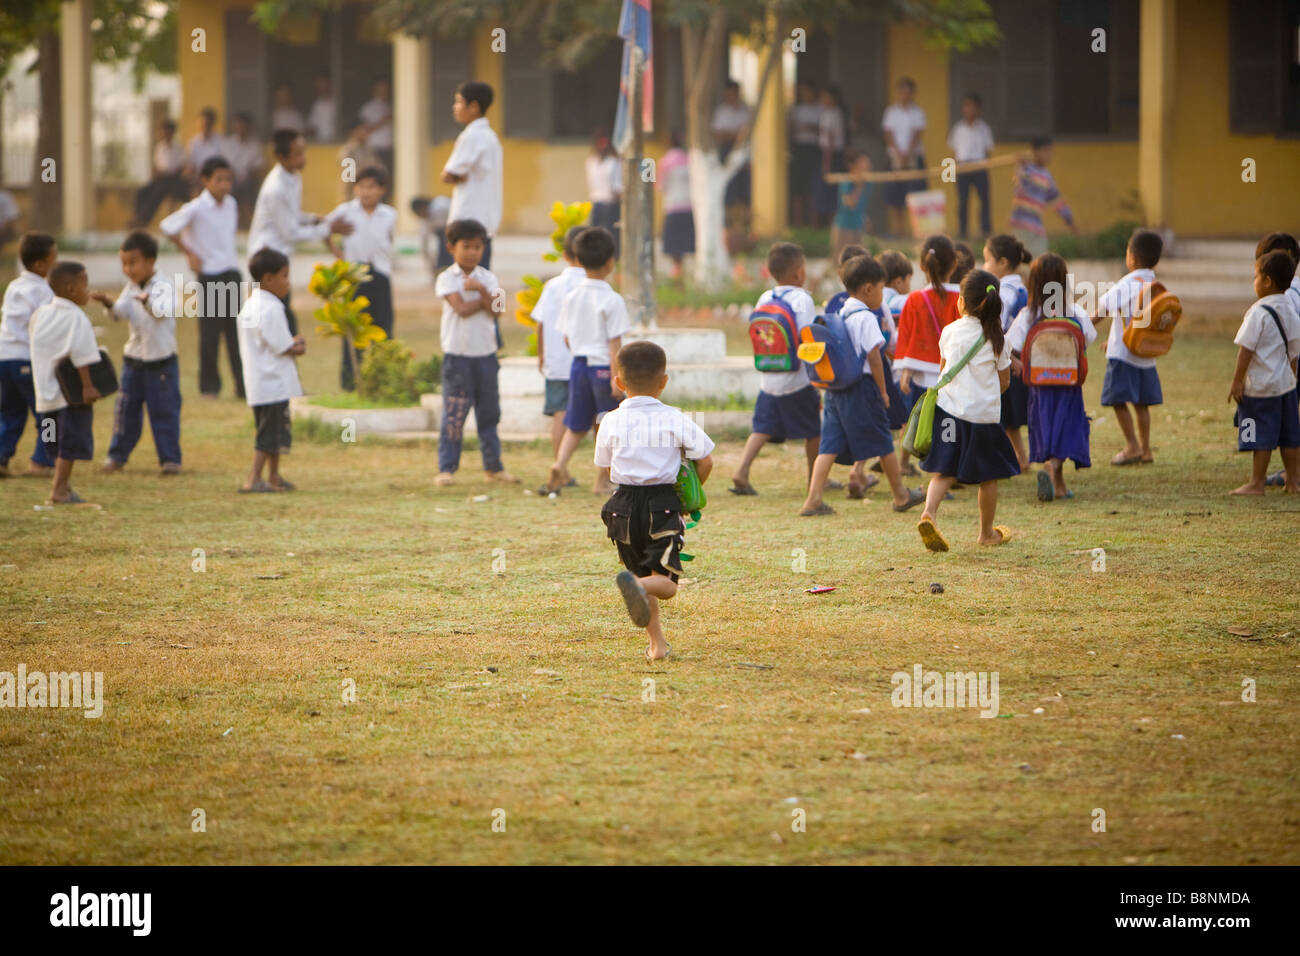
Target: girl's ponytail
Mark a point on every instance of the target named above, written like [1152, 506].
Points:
[979, 292]
[1005, 246]
[938, 256]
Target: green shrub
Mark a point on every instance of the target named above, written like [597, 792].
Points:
[390, 376]
[1109, 243]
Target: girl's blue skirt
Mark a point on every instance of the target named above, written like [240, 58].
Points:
[1058, 425]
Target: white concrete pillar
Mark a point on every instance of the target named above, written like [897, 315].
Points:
[412, 105]
[76, 168]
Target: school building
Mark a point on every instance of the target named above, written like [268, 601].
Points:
[1190, 118]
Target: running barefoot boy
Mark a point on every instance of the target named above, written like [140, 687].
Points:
[641, 443]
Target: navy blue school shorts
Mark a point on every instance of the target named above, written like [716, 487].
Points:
[1126, 383]
[797, 416]
[74, 433]
[1267, 423]
[591, 395]
[856, 422]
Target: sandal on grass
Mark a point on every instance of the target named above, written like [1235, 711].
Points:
[1123, 459]
[638, 608]
[668, 652]
[930, 535]
[739, 487]
[72, 499]
[284, 485]
[1046, 491]
[258, 487]
[821, 509]
[1004, 532]
[914, 497]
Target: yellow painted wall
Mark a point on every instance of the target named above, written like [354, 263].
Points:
[1209, 197]
[203, 75]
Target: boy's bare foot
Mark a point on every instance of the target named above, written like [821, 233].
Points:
[1129, 456]
[653, 653]
[258, 487]
[634, 596]
[39, 471]
[111, 465]
[444, 479]
[501, 477]
[1249, 488]
[1001, 535]
[1291, 489]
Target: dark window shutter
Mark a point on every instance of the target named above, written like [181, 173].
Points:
[246, 86]
[1254, 66]
[528, 90]
[451, 64]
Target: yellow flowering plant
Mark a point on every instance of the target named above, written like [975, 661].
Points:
[344, 312]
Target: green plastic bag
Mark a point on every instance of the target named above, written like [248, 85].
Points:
[920, 423]
[690, 490]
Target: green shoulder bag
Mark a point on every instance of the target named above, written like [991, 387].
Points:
[920, 424]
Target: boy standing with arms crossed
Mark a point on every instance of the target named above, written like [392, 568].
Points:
[23, 297]
[472, 299]
[150, 368]
[593, 319]
[59, 330]
[642, 443]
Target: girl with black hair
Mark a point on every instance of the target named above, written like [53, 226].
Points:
[968, 444]
[1003, 256]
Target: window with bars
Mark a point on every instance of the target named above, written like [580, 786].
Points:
[1264, 66]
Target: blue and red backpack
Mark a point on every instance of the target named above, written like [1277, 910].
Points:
[827, 353]
[774, 335]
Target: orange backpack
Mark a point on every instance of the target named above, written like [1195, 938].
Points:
[1150, 332]
[1054, 354]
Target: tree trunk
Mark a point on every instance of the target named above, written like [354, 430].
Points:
[47, 197]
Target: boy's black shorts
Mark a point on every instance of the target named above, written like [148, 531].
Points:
[74, 433]
[274, 428]
[645, 522]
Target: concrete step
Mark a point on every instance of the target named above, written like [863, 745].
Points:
[733, 375]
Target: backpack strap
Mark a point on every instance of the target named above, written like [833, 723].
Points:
[925, 295]
[1286, 343]
[949, 375]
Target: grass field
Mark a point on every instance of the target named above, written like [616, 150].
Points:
[522, 691]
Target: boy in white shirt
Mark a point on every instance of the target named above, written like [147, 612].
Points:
[474, 167]
[322, 118]
[642, 444]
[150, 369]
[1288, 244]
[206, 144]
[788, 407]
[1264, 383]
[23, 296]
[472, 298]
[60, 329]
[204, 229]
[1131, 379]
[593, 320]
[971, 140]
[376, 114]
[553, 356]
[270, 372]
[370, 241]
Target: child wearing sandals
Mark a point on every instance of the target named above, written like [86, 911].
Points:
[1003, 256]
[642, 443]
[1058, 423]
[969, 444]
[856, 419]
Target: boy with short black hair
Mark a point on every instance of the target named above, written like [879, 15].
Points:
[554, 360]
[60, 329]
[788, 407]
[593, 320]
[1264, 383]
[150, 368]
[474, 167]
[374, 223]
[642, 443]
[23, 296]
[472, 299]
[204, 229]
[270, 372]
[1131, 379]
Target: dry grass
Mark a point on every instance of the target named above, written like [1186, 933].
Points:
[389, 582]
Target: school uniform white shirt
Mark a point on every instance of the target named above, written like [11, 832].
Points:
[59, 329]
[477, 156]
[556, 357]
[729, 120]
[321, 120]
[153, 321]
[380, 112]
[1269, 373]
[204, 148]
[1009, 288]
[8, 208]
[270, 374]
[286, 117]
[1019, 331]
[907, 123]
[863, 328]
[592, 313]
[970, 142]
[472, 335]
[278, 220]
[642, 442]
[830, 129]
[168, 158]
[23, 296]
[208, 229]
[1293, 294]
[1119, 302]
[805, 310]
[805, 123]
[371, 239]
[604, 180]
[975, 393]
[244, 156]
